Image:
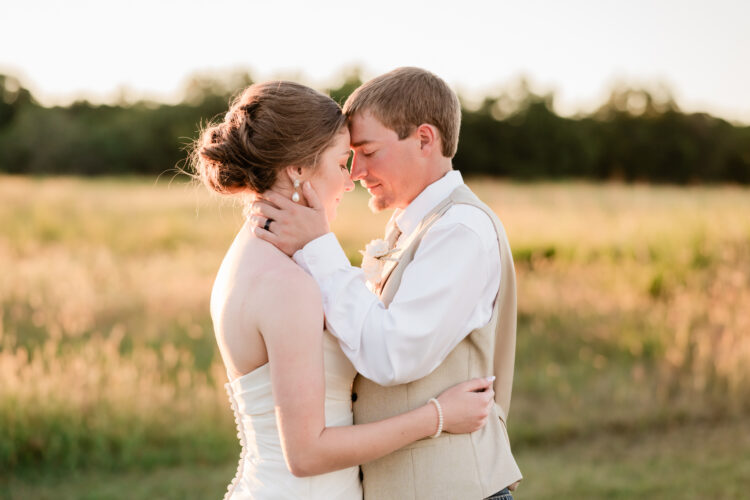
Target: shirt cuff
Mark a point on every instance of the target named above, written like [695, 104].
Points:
[299, 258]
[322, 257]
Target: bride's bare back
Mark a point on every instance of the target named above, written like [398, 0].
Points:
[251, 273]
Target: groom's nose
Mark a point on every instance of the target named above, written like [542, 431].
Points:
[358, 168]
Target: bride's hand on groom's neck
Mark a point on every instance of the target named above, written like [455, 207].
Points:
[293, 225]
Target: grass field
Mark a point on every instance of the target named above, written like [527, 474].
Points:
[632, 375]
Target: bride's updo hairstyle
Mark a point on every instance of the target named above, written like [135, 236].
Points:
[269, 126]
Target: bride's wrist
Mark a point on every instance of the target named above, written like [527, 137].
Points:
[439, 414]
[425, 417]
[429, 418]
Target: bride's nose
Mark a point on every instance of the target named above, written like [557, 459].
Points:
[348, 183]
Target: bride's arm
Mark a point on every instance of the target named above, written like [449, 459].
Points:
[292, 331]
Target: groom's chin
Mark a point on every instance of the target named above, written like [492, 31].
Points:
[377, 204]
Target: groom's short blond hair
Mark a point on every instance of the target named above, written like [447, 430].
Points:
[407, 97]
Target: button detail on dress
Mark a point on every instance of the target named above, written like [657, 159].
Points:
[354, 397]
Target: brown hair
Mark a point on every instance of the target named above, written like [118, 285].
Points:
[407, 97]
[269, 126]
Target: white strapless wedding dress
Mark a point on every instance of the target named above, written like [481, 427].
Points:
[262, 473]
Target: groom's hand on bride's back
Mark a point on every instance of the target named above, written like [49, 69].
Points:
[293, 225]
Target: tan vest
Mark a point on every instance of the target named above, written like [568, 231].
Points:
[453, 466]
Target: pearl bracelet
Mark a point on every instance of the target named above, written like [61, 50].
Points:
[440, 417]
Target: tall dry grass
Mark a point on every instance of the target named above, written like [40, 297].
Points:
[633, 306]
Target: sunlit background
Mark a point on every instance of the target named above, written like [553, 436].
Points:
[102, 51]
[612, 138]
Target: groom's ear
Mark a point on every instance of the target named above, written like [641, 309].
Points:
[428, 138]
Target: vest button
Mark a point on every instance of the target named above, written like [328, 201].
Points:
[354, 397]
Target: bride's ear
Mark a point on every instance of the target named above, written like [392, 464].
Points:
[295, 173]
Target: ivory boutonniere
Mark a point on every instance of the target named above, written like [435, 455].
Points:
[374, 256]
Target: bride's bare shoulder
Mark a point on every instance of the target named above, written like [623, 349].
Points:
[287, 287]
[283, 272]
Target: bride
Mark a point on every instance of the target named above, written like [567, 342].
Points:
[290, 384]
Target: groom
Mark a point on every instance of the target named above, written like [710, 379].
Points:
[444, 306]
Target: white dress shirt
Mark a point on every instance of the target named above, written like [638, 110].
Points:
[446, 292]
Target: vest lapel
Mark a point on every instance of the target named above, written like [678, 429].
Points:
[388, 268]
[395, 259]
[406, 244]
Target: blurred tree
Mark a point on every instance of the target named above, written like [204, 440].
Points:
[352, 80]
[12, 98]
[637, 135]
[203, 87]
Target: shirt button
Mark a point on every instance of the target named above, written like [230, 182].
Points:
[354, 397]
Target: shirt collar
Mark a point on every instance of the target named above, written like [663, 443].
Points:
[408, 219]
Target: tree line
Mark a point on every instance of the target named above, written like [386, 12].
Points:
[636, 135]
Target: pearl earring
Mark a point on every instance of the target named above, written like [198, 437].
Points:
[295, 196]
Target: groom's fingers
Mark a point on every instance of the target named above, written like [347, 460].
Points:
[260, 221]
[257, 220]
[311, 196]
[266, 235]
[265, 210]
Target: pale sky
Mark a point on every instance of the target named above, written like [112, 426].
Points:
[63, 50]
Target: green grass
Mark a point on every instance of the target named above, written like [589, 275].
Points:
[705, 460]
[183, 482]
[694, 461]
